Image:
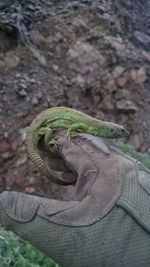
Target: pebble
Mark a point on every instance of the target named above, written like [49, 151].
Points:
[5, 3]
[138, 75]
[118, 71]
[77, 22]
[146, 55]
[35, 101]
[32, 80]
[118, 46]
[31, 7]
[126, 106]
[10, 61]
[23, 85]
[101, 9]
[22, 92]
[74, 4]
[142, 37]
[7, 155]
[141, 75]
[122, 94]
[79, 80]
[22, 160]
[121, 81]
[4, 146]
[55, 67]
[18, 75]
[30, 190]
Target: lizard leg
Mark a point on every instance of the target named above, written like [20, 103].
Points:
[76, 128]
[48, 136]
[47, 133]
[45, 130]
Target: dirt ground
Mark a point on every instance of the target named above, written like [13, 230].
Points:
[82, 58]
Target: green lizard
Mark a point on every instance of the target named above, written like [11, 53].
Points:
[72, 120]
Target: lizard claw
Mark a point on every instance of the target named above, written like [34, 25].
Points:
[53, 144]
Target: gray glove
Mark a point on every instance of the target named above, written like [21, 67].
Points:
[101, 220]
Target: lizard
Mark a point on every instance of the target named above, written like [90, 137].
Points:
[74, 121]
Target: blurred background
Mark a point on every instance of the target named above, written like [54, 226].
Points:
[90, 55]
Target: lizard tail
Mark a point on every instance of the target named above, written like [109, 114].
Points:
[32, 149]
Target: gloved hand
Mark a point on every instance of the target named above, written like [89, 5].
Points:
[101, 220]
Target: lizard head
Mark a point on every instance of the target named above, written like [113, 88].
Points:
[111, 130]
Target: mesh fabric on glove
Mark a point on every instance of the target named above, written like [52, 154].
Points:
[102, 220]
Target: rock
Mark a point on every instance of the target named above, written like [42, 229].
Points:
[9, 60]
[30, 190]
[126, 106]
[139, 76]
[107, 103]
[121, 81]
[80, 48]
[118, 46]
[74, 4]
[79, 23]
[27, 79]
[2, 89]
[97, 99]
[22, 92]
[55, 67]
[100, 115]
[122, 94]
[23, 85]
[79, 80]
[35, 101]
[86, 54]
[32, 80]
[6, 134]
[118, 71]
[18, 75]
[146, 55]
[133, 74]
[37, 54]
[142, 37]
[32, 180]
[58, 37]
[7, 155]
[115, 42]
[31, 7]
[106, 18]
[5, 3]
[37, 37]
[4, 146]
[22, 160]
[39, 95]
[110, 84]
[136, 140]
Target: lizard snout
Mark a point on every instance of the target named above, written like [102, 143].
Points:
[124, 132]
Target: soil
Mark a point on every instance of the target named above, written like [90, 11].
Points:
[81, 54]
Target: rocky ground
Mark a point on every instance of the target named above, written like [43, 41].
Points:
[90, 55]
